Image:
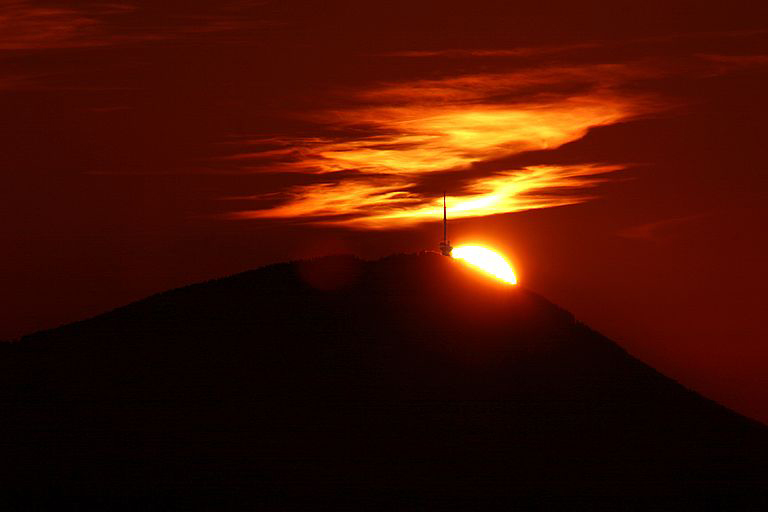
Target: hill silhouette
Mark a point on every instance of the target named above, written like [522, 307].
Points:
[408, 383]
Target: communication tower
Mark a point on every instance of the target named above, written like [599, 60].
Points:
[445, 245]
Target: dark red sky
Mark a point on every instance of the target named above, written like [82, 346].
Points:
[148, 145]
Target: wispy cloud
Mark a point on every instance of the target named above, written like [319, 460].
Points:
[492, 52]
[655, 230]
[26, 25]
[388, 202]
[725, 63]
[33, 25]
[395, 137]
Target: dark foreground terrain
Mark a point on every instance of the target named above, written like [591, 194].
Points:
[409, 383]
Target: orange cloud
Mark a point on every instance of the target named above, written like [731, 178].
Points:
[27, 25]
[404, 132]
[514, 52]
[435, 138]
[388, 203]
[656, 230]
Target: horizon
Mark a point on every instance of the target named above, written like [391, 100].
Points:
[409, 379]
[613, 153]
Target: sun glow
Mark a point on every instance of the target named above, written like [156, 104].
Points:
[486, 260]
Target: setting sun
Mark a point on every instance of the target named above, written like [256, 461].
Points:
[487, 260]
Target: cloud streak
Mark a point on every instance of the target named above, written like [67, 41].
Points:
[492, 52]
[396, 137]
[390, 202]
[26, 25]
[30, 25]
[654, 231]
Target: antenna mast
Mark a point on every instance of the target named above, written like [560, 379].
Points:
[445, 221]
[445, 245]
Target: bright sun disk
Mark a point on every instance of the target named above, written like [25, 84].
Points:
[486, 260]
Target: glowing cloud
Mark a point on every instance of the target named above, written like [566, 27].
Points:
[402, 133]
[27, 25]
[383, 203]
[438, 138]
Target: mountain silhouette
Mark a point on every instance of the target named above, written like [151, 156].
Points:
[409, 383]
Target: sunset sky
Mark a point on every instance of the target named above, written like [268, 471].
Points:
[614, 152]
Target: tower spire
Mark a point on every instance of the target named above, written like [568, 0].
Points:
[445, 221]
[445, 245]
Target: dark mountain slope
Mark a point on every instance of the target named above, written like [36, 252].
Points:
[411, 382]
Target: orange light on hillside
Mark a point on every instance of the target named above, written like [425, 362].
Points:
[487, 260]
